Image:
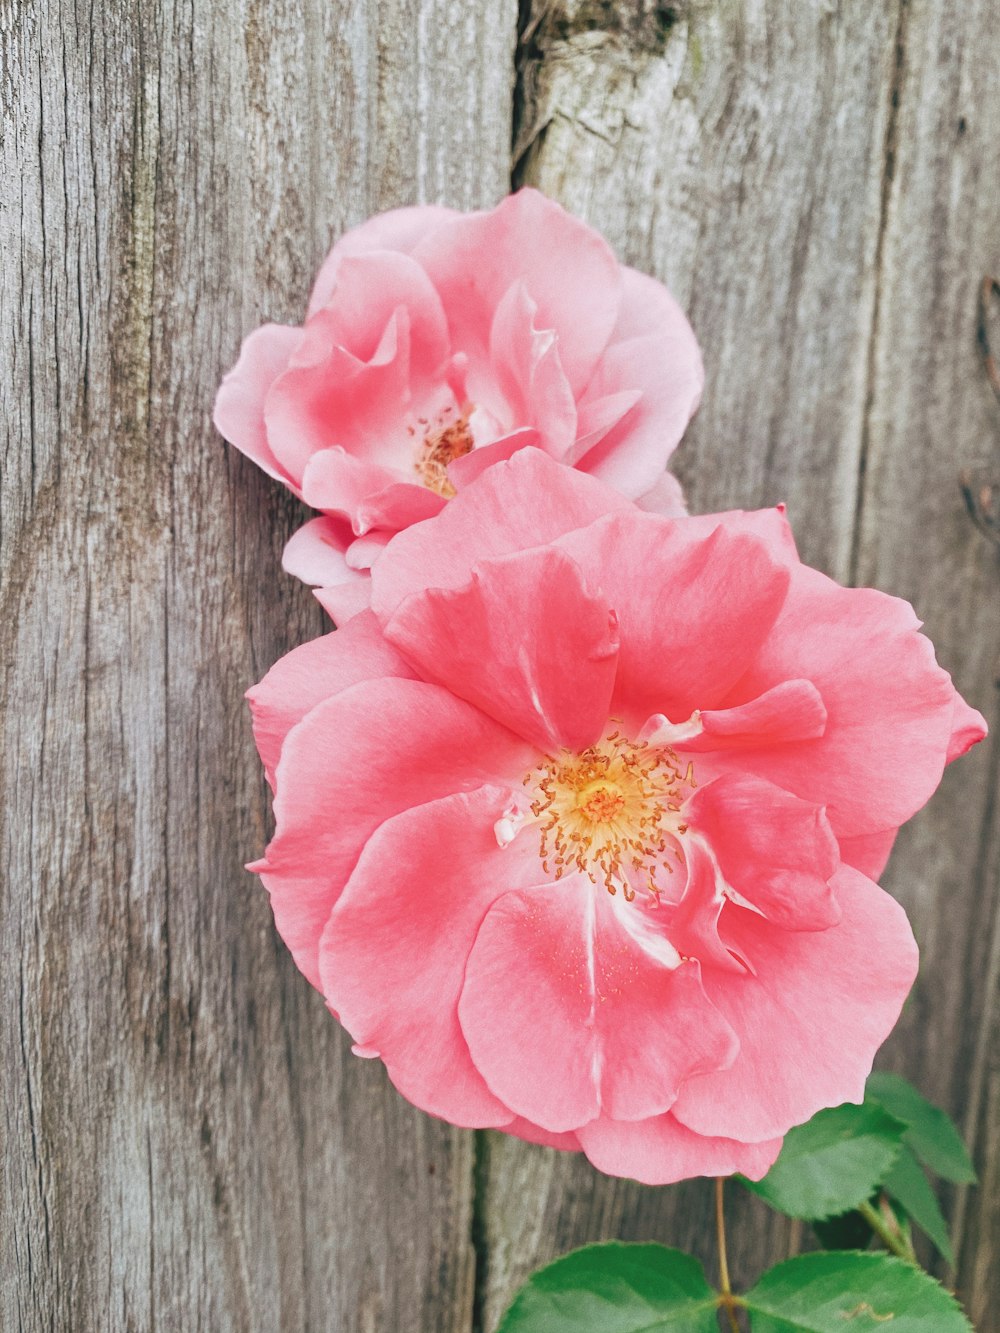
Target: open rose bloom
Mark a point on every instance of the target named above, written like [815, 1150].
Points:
[439, 342]
[577, 826]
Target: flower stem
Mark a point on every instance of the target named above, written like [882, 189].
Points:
[727, 1300]
[890, 1238]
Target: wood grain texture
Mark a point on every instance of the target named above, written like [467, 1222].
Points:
[819, 184]
[186, 1141]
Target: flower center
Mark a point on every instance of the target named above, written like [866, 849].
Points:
[449, 441]
[612, 811]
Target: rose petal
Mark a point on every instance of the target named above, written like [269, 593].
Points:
[889, 705]
[550, 680]
[528, 374]
[524, 502]
[354, 761]
[400, 229]
[565, 1014]
[328, 397]
[239, 405]
[776, 851]
[811, 1018]
[315, 671]
[342, 601]
[868, 853]
[692, 610]
[419, 891]
[566, 267]
[316, 553]
[661, 1150]
[665, 498]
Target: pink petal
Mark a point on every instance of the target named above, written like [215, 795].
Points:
[315, 671]
[652, 349]
[462, 471]
[364, 551]
[811, 1019]
[791, 711]
[414, 903]
[692, 610]
[648, 307]
[328, 397]
[567, 268]
[565, 1014]
[665, 498]
[339, 482]
[370, 288]
[370, 495]
[527, 501]
[316, 552]
[776, 851]
[868, 853]
[524, 1129]
[633, 454]
[770, 525]
[661, 1150]
[525, 364]
[547, 675]
[597, 416]
[354, 761]
[239, 405]
[341, 601]
[400, 229]
[968, 728]
[889, 706]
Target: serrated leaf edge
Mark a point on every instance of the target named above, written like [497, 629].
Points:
[866, 1256]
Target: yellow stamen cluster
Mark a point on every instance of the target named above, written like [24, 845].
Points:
[612, 811]
[441, 447]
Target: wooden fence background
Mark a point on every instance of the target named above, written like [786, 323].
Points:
[186, 1141]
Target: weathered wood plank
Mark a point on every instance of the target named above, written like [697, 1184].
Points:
[933, 414]
[186, 1141]
[739, 151]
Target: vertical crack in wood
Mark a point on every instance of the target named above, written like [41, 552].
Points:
[526, 55]
[479, 1236]
[981, 1049]
[888, 177]
[636, 30]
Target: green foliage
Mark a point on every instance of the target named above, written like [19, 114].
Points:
[831, 1293]
[841, 1171]
[616, 1288]
[833, 1162]
[930, 1132]
[907, 1185]
[845, 1157]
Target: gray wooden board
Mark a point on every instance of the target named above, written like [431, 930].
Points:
[186, 1140]
[798, 174]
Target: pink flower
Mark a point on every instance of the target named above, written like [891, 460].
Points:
[439, 342]
[576, 827]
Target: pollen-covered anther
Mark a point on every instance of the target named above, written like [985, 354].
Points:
[611, 811]
[449, 440]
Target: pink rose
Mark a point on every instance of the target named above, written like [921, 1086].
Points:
[576, 828]
[438, 342]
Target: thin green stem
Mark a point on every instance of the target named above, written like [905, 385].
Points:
[727, 1300]
[889, 1237]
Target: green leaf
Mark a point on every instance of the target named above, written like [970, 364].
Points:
[908, 1185]
[851, 1293]
[930, 1132]
[833, 1162]
[616, 1288]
